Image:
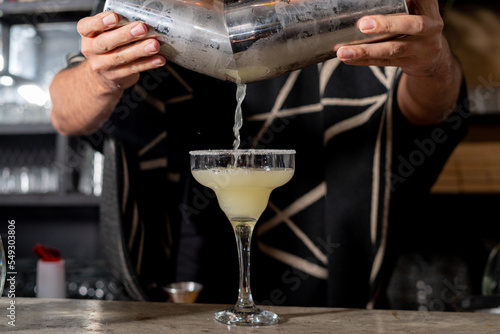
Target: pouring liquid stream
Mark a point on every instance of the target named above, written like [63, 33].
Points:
[241, 89]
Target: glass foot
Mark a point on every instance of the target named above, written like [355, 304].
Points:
[250, 317]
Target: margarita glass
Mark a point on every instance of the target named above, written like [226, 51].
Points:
[243, 181]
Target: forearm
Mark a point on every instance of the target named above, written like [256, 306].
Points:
[81, 103]
[425, 100]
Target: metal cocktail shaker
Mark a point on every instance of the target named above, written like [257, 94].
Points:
[253, 40]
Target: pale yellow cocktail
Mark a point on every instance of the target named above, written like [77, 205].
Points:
[243, 181]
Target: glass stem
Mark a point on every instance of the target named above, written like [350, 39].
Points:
[243, 234]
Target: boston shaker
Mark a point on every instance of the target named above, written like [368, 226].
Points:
[251, 40]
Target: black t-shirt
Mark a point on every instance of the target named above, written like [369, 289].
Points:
[330, 236]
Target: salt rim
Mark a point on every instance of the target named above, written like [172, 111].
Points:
[241, 152]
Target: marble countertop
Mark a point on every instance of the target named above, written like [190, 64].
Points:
[34, 316]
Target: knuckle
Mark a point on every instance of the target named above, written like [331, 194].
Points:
[134, 69]
[420, 26]
[440, 28]
[96, 67]
[86, 27]
[362, 53]
[398, 50]
[388, 26]
[118, 59]
[80, 27]
[101, 45]
[359, 52]
[86, 52]
[440, 24]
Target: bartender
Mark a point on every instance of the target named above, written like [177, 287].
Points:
[372, 130]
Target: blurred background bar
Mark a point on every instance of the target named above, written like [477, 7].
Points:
[51, 185]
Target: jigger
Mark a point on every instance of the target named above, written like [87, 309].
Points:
[253, 40]
[183, 292]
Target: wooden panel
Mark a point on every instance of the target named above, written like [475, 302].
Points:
[474, 167]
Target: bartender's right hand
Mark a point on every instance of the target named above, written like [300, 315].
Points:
[117, 54]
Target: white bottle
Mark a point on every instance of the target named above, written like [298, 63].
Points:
[51, 279]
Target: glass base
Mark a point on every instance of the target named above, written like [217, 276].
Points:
[250, 317]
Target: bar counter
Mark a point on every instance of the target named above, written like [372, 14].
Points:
[35, 316]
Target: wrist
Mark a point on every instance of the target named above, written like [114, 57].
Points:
[444, 62]
[431, 98]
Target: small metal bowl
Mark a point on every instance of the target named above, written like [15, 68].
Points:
[183, 292]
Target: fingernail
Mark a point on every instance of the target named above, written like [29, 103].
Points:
[138, 30]
[345, 53]
[366, 25]
[109, 20]
[151, 48]
[158, 61]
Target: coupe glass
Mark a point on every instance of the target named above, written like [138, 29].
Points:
[243, 181]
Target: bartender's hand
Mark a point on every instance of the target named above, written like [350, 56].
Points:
[118, 54]
[84, 96]
[431, 78]
[418, 53]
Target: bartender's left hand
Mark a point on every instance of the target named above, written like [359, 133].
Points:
[429, 87]
[418, 53]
